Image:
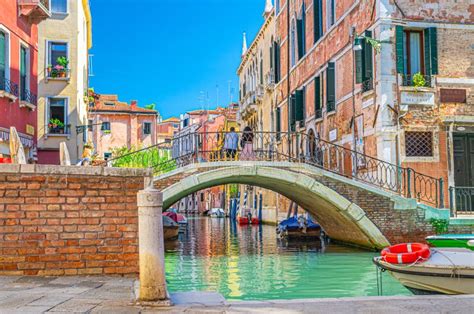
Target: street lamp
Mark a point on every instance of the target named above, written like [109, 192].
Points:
[358, 43]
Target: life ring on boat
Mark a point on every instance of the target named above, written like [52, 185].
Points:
[405, 253]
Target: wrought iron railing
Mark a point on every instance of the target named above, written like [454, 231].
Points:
[58, 73]
[8, 86]
[461, 200]
[64, 129]
[27, 96]
[367, 85]
[416, 80]
[290, 147]
[319, 113]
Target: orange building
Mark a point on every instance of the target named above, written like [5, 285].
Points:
[115, 124]
[167, 129]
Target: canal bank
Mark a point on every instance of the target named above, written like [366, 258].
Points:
[101, 294]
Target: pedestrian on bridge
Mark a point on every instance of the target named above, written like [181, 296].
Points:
[231, 144]
[247, 144]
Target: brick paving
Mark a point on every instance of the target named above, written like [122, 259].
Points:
[101, 294]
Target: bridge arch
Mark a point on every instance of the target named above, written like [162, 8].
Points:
[342, 219]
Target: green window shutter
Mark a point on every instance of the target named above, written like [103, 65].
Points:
[278, 120]
[359, 65]
[299, 110]
[292, 112]
[3, 60]
[299, 35]
[431, 51]
[368, 66]
[318, 19]
[271, 56]
[400, 48]
[278, 65]
[331, 87]
[317, 96]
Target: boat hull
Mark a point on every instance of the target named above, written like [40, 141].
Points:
[431, 277]
[452, 241]
[299, 234]
[170, 232]
[245, 221]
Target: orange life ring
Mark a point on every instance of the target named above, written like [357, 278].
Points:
[405, 253]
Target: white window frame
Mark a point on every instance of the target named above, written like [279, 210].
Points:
[66, 114]
[48, 50]
[59, 13]
[5, 30]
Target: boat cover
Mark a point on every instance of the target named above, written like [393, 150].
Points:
[292, 223]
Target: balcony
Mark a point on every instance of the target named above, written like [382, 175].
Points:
[27, 99]
[35, 10]
[270, 81]
[417, 80]
[57, 73]
[367, 85]
[8, 89]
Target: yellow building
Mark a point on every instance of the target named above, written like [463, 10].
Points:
[64, 42]
[257, 102]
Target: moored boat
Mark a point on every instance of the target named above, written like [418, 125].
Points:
[216, 213]
[170, 228]
[245, 217]
[181, 220]
[436, 271]
[452, 241]
[300, 227]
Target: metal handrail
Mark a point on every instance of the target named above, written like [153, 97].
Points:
[294, 147]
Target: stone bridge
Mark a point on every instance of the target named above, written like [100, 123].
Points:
[349, 211]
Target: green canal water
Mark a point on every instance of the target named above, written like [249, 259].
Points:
[250, 263]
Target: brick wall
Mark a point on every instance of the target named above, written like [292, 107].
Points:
[69, 220]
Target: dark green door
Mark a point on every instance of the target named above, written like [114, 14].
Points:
[23, 73]
[464, 171]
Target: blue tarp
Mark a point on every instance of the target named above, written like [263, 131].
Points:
[292, 224]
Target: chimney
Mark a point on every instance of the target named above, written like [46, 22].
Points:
[133, 104]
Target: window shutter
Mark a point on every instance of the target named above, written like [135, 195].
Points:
[271, 56]
[318, 19]
[331, 87]
[317, 95]
[358, 64]
[278, 120]
[400, 48]
[2, 59]
[292, 112]
[278, 65]
[299, 110]
[431, 51]
[299, 34]
[367, 75]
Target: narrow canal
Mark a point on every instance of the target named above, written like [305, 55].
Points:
[251, 263]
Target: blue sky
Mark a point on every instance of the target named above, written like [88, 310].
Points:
[168, 52]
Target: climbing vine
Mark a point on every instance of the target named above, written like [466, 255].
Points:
[440, 225]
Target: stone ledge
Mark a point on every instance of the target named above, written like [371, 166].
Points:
[75, 170]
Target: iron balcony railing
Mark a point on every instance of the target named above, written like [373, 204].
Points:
[461, 200]
[64, 129]
[367, 85]
[27, 96]
[8, 86]
[417, 80]
[289, 147]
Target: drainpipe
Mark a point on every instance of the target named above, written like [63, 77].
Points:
[288, 89]
[354, 142]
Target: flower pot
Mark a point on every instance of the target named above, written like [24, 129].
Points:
[62, 74]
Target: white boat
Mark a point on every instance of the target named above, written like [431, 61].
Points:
[446, 271]
[216, 213]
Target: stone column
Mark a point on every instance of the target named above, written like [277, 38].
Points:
[151, 246]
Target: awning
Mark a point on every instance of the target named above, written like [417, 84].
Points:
[26, 140]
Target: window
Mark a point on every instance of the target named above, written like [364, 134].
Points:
[318, 19]
[109, 104]
[202, 197]
[417, 52]
[275, 61]
[277, 6]
[57, 115]
[331, 9]
[418, 144]
[24, 73]
[318, 98]
[105, 127]
[107, 155]
[90, 125]
[301, 30]
[330, 87]
[293, 43]
[59, 6]
[3, 59]
[278, 122]
[297, 108]
[364, 64]
[147, 128]
[56, 50]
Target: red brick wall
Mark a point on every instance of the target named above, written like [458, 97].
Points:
[68, 220]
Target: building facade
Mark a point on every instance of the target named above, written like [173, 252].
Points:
[392, 80]
[114, 124]
[63, 71]
[19, 21]
[167, 129]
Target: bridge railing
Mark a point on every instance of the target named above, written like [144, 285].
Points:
[202, 147]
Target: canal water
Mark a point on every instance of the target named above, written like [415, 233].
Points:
[251, 263]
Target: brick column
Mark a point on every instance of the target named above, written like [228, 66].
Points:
[151, 246]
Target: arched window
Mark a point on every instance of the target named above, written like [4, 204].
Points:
[293, 43]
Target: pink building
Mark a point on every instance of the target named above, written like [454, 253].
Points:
[114, 124]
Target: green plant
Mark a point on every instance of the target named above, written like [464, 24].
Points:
[233, 190]
[439, 225]
[150, 106]
[418, 80]
[107, 131]
[56, 123]
[157, 158]
[376, 44]
[62, 61]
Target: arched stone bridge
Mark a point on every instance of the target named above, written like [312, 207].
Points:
[349, 211]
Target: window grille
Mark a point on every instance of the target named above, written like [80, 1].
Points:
[418, 144]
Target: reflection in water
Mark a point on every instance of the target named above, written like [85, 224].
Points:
[250, 263]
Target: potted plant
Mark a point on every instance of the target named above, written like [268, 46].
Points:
[49, 69]
[418, 80]
[62, 64]
[56, 126]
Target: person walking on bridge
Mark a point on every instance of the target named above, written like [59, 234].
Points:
[231, 143]
[247, 144]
